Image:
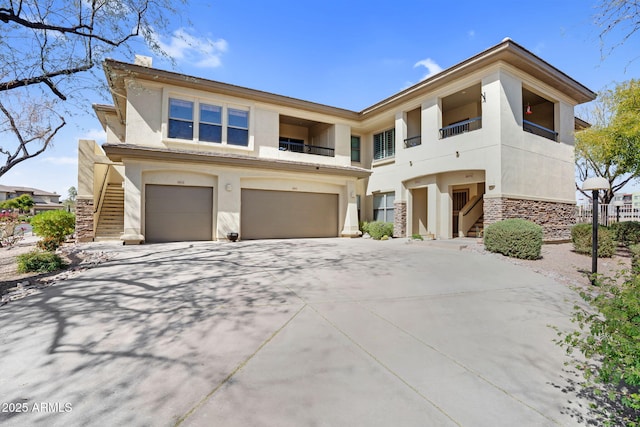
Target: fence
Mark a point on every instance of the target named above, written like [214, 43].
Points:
[607, 214]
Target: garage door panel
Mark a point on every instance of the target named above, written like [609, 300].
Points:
[267, 214]
[178, 213]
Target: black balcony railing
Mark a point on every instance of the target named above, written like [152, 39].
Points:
[299, 147]
[461, 127]
[536, 129]
[414, 141]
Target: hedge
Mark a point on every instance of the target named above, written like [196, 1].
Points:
[517, 238]
[581, 235]
[626, 232]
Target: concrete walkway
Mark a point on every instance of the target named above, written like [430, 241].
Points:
[328, 332]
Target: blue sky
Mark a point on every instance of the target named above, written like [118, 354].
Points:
[351, 54]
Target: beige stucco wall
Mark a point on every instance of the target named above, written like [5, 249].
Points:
[147, 112]
[511, 162]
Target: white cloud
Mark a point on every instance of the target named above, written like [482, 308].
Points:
[431, 66]
[471, 33]
[201, 52]
[95, 134]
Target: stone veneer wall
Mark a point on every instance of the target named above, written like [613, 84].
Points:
[84, 219]
[400, 219]
[555, 218]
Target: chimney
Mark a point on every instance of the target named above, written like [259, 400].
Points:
[144, 61]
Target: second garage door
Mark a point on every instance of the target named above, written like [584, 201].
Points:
[267, 214]
[177, 213]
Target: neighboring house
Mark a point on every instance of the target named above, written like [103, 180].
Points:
[43, 200]
[194, 159]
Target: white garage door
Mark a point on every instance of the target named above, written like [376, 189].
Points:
[267, 214]
[177, 213]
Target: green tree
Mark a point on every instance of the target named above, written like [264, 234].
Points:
[48, 50]
[24, 202]
[610, 147]
[70, 202]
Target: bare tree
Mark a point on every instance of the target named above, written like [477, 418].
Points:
[48, 51]
[617, 15]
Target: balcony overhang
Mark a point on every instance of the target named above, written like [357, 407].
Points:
[120, 152]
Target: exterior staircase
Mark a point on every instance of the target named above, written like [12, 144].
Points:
[111, 216]
[477, 229]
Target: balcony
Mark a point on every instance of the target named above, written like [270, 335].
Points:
[542, 131]
[461, 127]
[286, 144]
[414, 141]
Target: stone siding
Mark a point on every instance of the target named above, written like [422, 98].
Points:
[555, 218]
[84, 219]
[400, 219]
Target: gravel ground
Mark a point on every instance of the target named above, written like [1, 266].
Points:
[558, 261]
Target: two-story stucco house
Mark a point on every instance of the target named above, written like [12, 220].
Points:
[194, 159]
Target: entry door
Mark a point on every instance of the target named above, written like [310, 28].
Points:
[460, 198]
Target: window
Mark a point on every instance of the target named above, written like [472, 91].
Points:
[384, 144]
[213, 123]
[210, 123]
[355, 148]
[383, 207]
[238, 128]
[180, 119]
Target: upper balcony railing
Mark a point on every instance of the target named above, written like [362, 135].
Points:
[298, 147]
[461, 127]
[536, 129]
[414, 141]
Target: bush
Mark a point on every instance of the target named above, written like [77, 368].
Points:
[517, 238]
[581, 235]
[39, 261]
[416, 236]
[627, 232]
[364, 226]
[48, 244]
[378, 229]
[55, 225]
[608, 335]
[635, 258]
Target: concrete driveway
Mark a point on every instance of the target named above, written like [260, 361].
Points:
[321, 332]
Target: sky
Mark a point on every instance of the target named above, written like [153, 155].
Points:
[351, 54]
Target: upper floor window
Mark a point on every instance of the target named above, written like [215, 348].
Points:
[180, 119]
[384, 144]
[238, 132]
[355, 148]
[210, 124]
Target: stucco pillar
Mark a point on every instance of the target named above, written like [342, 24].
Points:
[432, 208]
[351, 228]
[132, 205]
[84, 199]
[229, 197]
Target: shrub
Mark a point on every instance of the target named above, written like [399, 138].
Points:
[416, 236]
[635, 258]
[39, 261]
[364, 226]
[581, 235]
[627, 232]
[10, 231]
[48, 244]
[608, 335]
[517, 238]
[56, 225]
[378, 229]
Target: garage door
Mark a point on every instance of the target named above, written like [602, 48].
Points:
[176, 213]
[269, 214]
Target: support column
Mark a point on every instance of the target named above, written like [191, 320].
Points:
[351, 227]
[400, 218]
[84, 219]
